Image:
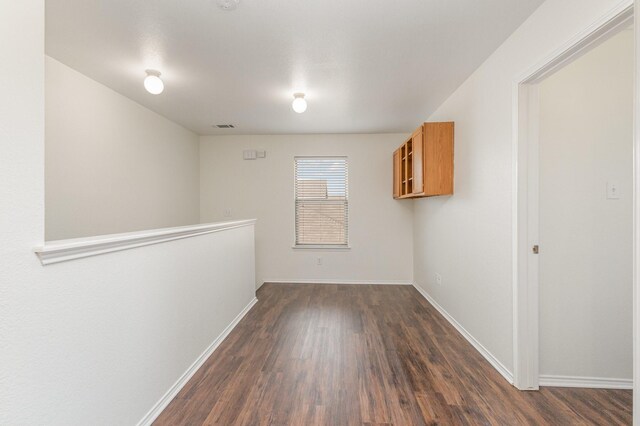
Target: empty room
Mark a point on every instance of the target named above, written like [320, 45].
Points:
[285, 212]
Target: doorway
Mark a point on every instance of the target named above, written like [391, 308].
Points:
[526, 265]
[585, 215]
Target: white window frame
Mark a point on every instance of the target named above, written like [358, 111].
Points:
[334, 247]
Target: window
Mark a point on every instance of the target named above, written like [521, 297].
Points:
[322, 201]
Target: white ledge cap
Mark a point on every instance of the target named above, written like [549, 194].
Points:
[77, 248]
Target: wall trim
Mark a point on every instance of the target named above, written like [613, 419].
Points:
[636, 212]
[585, 382]
[78, 248]
[619, 16]
[338, 282]
[495, 363]
[157, 409]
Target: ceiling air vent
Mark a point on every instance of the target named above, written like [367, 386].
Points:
[225, 126]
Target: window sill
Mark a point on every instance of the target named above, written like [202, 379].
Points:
[321, 247]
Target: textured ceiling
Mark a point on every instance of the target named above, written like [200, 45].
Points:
[367, 66]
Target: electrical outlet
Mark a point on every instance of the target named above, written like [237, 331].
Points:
[227, 213]
[438, 279]
[249, 154]
[319, 261]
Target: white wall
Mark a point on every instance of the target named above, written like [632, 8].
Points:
[380, 228]
[99, 340]
[112, 165]
[586, 140]
[467, 238]
[22, 392]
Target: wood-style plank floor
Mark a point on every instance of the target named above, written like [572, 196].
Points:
[366, 355]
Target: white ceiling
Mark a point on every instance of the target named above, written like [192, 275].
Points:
[367, 66]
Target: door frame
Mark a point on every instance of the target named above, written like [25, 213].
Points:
[525, 195]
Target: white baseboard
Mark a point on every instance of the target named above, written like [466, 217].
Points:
[150, 417]
[504, 371]
[339, 282]
[585, 382]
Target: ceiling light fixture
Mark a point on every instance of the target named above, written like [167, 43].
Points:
[299, 104]
[153, 83]
[228, 4]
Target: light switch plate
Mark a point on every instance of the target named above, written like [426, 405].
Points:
[249, 154]
[613, 191]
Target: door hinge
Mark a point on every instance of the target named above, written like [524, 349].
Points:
[536, 249]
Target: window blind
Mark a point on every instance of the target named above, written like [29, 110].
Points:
[322, 201]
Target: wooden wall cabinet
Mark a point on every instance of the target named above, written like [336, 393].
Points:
[423, 165]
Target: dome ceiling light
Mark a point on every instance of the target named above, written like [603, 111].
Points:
[153, 83]
[299, 104]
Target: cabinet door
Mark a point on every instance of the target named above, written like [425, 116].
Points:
[438, 158]
[418, 177]
[397, 179]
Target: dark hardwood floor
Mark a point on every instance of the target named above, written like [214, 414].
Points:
[366, 355]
